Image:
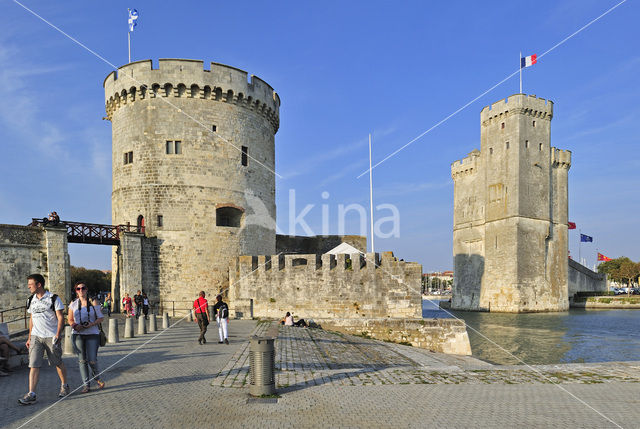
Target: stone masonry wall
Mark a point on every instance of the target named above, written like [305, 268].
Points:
[438, 335]
[582, 279]
[177, 190]
[324, 286]
[27, 250]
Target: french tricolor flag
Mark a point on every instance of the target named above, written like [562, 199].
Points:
[528, 61]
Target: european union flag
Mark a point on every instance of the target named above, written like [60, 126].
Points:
[585, 238]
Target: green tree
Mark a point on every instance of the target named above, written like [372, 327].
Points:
[612, 268]
[629, 271]
[96, 280]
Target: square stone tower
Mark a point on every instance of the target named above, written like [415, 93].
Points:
[510, 243]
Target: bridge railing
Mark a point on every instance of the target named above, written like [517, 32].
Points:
[92, 233]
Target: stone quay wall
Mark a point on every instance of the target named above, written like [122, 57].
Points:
[193, 154]
[325, 286]
[438, 335]
[27, 250]
[582, 279]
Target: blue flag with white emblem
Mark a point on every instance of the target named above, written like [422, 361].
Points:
[133, 18]
[585, 238]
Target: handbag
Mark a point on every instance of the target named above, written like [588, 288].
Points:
[103, 336]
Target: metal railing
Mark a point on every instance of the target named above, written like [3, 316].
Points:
[172, 306]
[16, 319]
[91, 233]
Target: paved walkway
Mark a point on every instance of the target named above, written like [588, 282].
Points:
[324, 379]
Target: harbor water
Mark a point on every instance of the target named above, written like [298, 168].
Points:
[549, 338]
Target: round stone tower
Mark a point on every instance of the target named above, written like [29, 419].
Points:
[193, 164]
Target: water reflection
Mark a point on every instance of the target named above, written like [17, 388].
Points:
[548, 338]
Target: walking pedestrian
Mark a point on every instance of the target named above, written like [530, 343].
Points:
[46, 322]
[84, 318]
[126, 303]
[145, 305]
[107, 304]
[201, 307]
[222, 317]
[138, 301]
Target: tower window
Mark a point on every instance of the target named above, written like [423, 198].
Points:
[502, 126]
[540, 146]
[228, 216]
[506, 145]
[534, 123]
[245, 156]
[160, 221]
[526, 144]
[490, 151]
[214, 128]
[128, 157]
[173, 147]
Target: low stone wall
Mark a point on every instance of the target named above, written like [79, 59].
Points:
[438, 335]
[325, 286]
[582, 279]
[608, 302]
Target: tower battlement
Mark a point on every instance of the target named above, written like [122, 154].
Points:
[185, 78]
[560, 158]
[518, 103]
[466, 166]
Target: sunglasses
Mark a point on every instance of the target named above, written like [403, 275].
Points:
[81, 288]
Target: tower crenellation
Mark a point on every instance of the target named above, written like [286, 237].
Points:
[517, 104]
[182, 78]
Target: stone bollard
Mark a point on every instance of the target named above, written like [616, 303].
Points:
[165, 321]
[68, 342]
[152, 323]
[142, 326]
[113, 332]
[190, 315]
[128, 328]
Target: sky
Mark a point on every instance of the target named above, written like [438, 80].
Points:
[342, 70]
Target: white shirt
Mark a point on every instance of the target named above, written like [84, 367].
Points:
[45, 321]
[80, 315]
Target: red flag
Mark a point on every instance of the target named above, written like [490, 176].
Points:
[572, 225]
[603, 258]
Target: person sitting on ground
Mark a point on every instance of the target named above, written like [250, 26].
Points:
[5, 352]
[288, 321]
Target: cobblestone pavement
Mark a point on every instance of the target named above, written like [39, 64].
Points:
[326, 380]
[309, 357]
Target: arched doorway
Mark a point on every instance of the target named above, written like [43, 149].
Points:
[140, 224]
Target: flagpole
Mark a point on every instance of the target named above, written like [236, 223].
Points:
[520, 64]
[580, 246]
[129, 34]
[373, 249]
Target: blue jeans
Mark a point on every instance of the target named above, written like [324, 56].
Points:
[86, 347]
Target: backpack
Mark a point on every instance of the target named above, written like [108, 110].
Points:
[224, 311]
[54, 298]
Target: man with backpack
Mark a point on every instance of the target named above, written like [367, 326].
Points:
[46, 323]
[222, 316]
[138, 299]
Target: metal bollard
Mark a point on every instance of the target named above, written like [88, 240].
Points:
[68, 342]
[153, 327]
[128, 328]
[113, 332]
[142, 326]
[190, 315]
[262, 359]
[165, 321]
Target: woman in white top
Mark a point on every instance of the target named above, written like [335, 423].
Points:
[84, 318]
